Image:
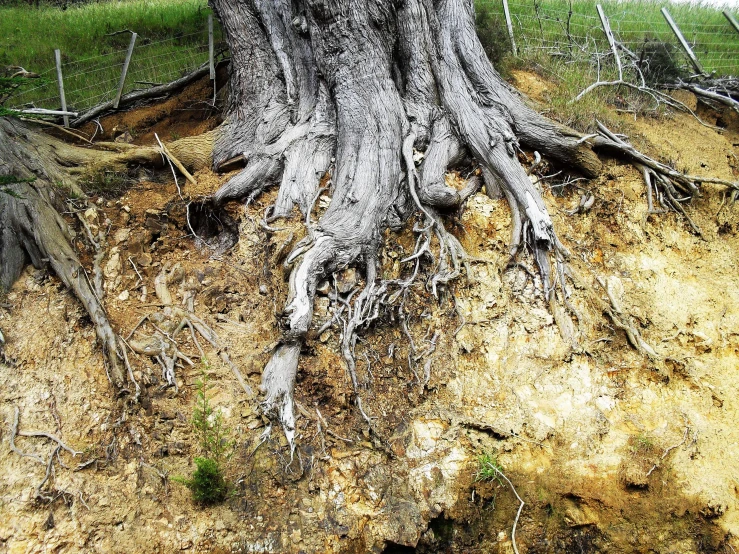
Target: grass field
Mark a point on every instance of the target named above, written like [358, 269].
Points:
[566, 47]
[546, 25]
[173, 39]
[571, 49]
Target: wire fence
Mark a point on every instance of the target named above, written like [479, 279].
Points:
[553, 27]
[560, 30]
[94, 80]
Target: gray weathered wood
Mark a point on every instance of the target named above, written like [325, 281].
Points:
[611, 41]
[509, 25]
[42, 111]
[124, 71]
[31, 227]
[683, 42]
[732, 20]
[211, 64]
[60, 80]
[366, 85]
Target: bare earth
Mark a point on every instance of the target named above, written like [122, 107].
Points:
[610, 451]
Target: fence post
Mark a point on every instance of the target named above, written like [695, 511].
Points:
[683, 42]
[611, 41]
[60, 79]
[122, 82]
[211, 62]
[731, 19]
[507, 13]
[210, 47]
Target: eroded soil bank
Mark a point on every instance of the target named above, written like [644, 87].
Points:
[611, 451]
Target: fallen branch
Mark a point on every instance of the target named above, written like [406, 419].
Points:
[137, 95]
[175, 161]
[42, 111]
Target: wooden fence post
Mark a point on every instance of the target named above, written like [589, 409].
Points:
[60, 79]
[211, 61]
[122, 82]
[683, 42]
[507, 13]
[611, 41]
[731, 19]
[211, 48]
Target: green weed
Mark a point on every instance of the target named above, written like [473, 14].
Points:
[489, 469]
[208, 483]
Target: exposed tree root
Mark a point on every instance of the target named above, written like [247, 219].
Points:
[669, 187]
[42, 172]
[372, 104]
[162, 344]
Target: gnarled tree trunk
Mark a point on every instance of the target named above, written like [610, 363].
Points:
[357, 89]
[373, 99]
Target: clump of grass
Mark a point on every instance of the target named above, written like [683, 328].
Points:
[657, 62]
[489, 468]
[110, 183]
[208, 484]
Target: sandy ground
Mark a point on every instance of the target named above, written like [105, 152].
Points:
[610, 451]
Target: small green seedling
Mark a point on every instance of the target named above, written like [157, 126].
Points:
[489, 469]
[208, 483]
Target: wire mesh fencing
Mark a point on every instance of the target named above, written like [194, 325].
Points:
[557, 28]
[573, 30]
[94, 80]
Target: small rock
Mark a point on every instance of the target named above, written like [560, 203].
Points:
[321, 306]
[126, 208]
[121, 235]
[263, 290]
[346, 280]
[91, 214]
[323, 288]
[144, 259]
[113, 267]
[124, 296]
[124, 137]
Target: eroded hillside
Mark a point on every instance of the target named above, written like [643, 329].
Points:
[611, 450]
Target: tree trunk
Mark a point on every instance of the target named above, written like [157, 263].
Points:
[353, 90]
[369, 100]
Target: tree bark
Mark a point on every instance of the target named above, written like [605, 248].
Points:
[352, 92]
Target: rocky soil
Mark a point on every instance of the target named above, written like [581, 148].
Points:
[610, 450]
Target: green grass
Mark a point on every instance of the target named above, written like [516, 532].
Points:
[488, 468]
[571, 51]
[172, 40]
[543, 25]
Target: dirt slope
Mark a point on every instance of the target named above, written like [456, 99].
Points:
[611, 451]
